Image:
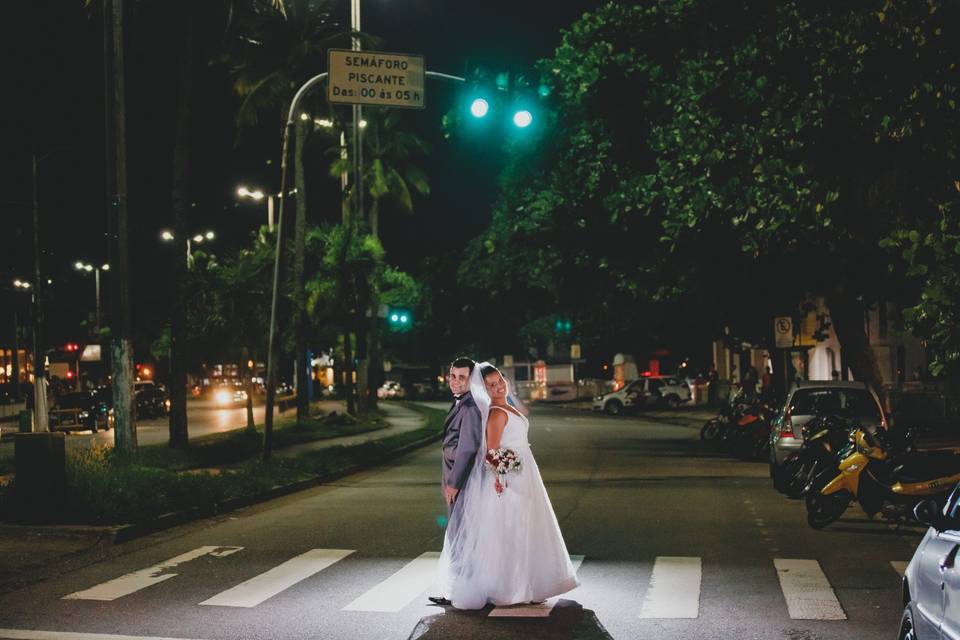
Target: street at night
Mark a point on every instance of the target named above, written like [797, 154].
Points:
[390, 320]
[356, 558]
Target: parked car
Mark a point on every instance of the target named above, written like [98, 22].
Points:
[80, 410]
[852, 400]
[391, 389]
[931, 582]
[152, 400]
[647, 391]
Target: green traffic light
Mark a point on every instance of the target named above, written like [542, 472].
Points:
[394, 318]
[479, 108]
[522, 119]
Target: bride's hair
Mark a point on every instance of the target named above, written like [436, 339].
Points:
[487, 370]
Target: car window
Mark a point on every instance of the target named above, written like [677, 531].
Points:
[636, 385]
[672, 382]
[655, 385]
[850, 403]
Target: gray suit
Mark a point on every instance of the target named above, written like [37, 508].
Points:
[461, 439]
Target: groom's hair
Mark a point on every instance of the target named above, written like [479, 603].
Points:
[461, 362]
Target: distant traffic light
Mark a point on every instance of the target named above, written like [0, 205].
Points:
[562, 325]
[522, 118]
[400, 319]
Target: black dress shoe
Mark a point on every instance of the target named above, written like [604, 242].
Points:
[438, 600]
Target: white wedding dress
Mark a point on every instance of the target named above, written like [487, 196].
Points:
[504, 549]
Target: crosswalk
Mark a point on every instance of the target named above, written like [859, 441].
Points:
[673, 588]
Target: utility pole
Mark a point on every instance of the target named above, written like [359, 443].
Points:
[121, 342]
[40, 416]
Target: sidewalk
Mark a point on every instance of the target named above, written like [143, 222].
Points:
[29, 553]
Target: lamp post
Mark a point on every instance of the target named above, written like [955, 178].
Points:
[199, 238]
[259, 195]
[87, 267]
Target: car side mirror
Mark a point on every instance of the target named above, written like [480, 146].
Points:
[928, 513]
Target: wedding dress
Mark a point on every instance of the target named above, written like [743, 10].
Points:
[504, 549]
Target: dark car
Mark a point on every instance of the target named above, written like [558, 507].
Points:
[152, 400]
[80, 410]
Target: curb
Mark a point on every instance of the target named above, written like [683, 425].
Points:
[125, 533]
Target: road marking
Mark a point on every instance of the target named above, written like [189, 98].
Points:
[268, 584]
[541, 610]
[674, 589]
[808, 594]
[900, 566]
[24, 634]
[133, 582]
[397, 591]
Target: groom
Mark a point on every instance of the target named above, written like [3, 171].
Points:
[461, 440]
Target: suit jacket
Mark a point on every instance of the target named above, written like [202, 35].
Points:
[461, 439]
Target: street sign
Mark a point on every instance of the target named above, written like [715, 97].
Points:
[783, 332]
[376, 78]
[575, 351]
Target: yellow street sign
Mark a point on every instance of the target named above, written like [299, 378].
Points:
[376, 78]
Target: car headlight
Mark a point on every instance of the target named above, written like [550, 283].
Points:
[222, 397]
[599, 398]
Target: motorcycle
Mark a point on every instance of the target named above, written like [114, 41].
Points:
[885, 477]
[827, 439]
[715, 428]
[749, 439]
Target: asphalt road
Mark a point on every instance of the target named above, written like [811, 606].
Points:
[676, 542]
[204, 416]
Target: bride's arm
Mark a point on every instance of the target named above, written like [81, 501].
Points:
[496, 422]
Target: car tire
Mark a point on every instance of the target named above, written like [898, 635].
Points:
[907, 630]
[613, 407]
[672, 401]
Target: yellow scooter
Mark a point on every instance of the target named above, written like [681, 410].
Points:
[883, 479]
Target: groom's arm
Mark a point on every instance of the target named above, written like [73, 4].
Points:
[466, 448]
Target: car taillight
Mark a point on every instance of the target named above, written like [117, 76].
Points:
[786, 426]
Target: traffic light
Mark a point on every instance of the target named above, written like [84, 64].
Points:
[562, 325]
[479, 107]
[522, 118]
[400, 319]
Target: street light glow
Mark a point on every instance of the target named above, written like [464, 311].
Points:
[323, 122]
[210, 235]
[522, 118]
[166, 235]
[304, 116]
[105, 267]
[479, 108]
[363, 124]
[78, 265]
[198, 238]
[243, 192]
[88, 267]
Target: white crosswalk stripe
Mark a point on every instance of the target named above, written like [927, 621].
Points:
[397, 591]
[280, 578]
[674, 588]
[133, 582]
[541, 610]
[807, 591]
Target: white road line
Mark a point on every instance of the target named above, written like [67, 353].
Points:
[541, 610]
[808, 594]
[29, 634]
[674, 588]
[397, 591]
[268, 584]
[133, 582]
[900, 566]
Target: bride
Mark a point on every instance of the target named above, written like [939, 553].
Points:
[506, 547]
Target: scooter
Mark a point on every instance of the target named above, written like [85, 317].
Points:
[883, 478]
[827, 439]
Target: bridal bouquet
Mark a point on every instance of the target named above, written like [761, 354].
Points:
[501, 462]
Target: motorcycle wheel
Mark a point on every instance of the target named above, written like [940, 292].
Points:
[822, 510]
[710, 430]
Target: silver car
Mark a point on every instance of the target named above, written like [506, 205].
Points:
[931, 582]
[849, 399]
[646, 391]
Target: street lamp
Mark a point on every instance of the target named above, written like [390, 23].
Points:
[167, 236]
[21, 284]
[87, 267]
[258, 195]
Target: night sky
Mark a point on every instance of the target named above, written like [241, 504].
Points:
[53, 79]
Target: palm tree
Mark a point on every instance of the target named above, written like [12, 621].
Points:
[390, 173]
[289, 43]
